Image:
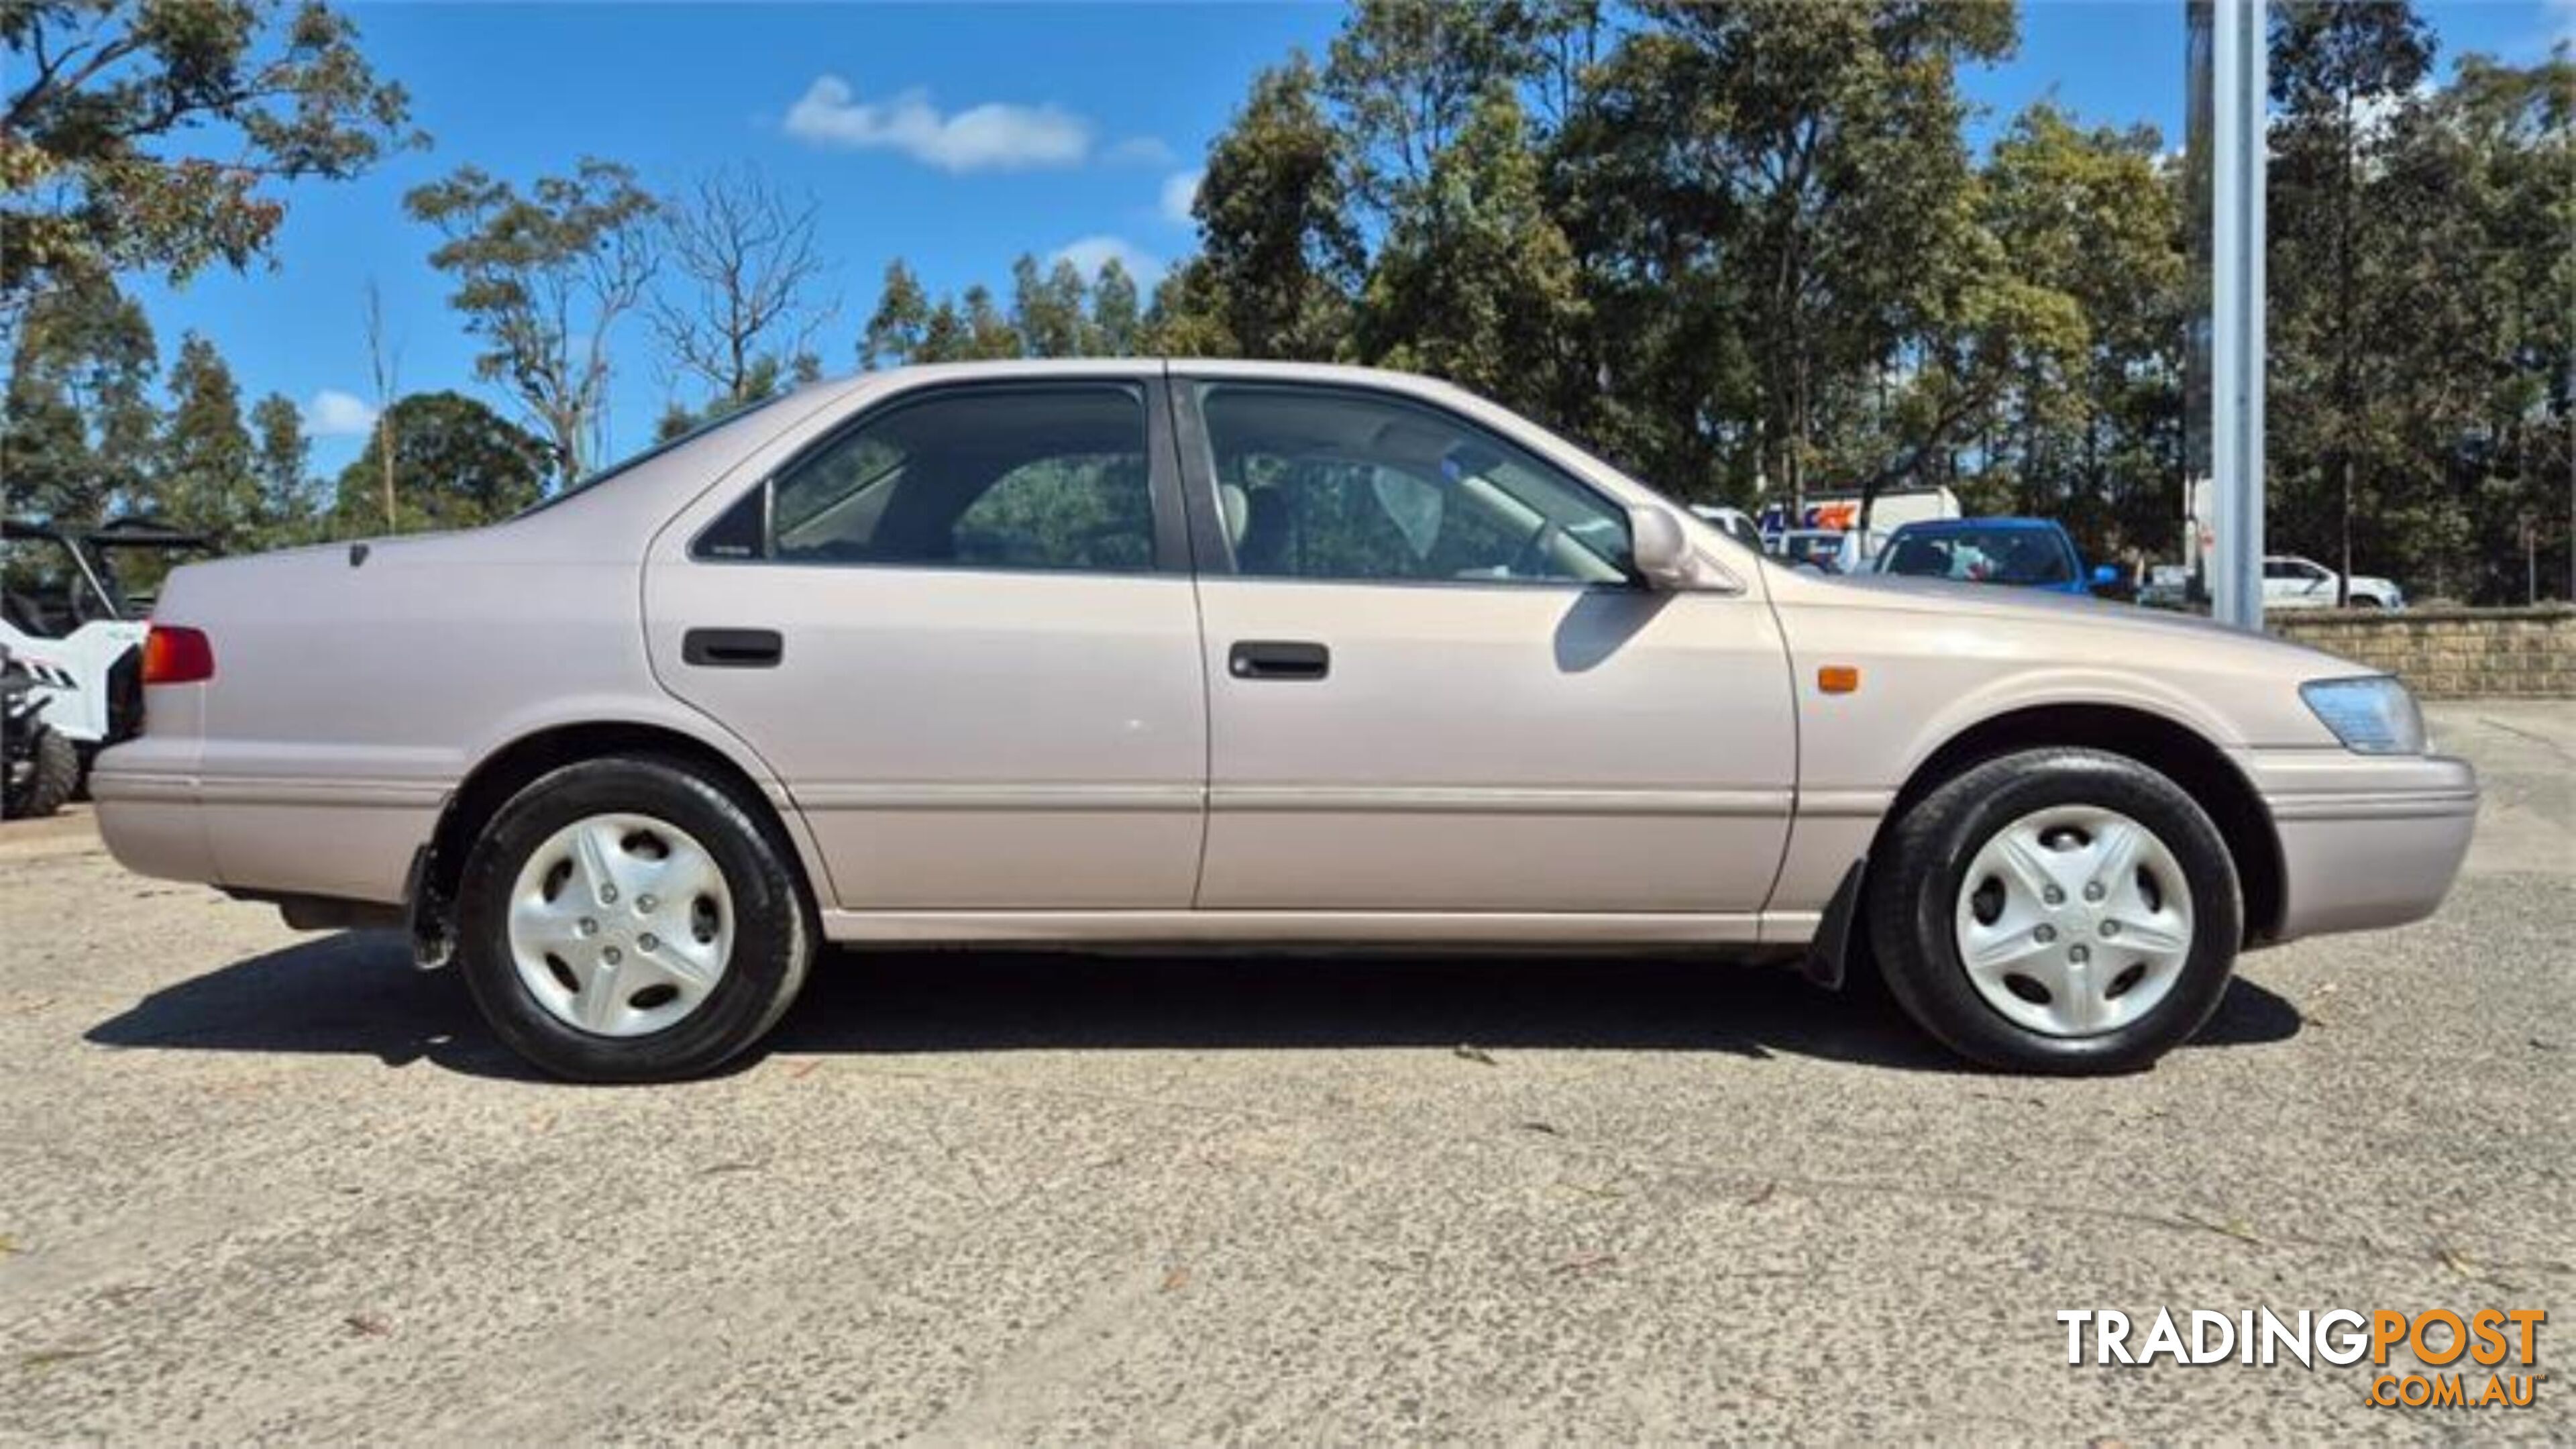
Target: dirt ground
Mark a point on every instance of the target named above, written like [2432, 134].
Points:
[256, 1185]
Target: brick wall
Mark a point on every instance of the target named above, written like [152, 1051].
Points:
[2451, 653]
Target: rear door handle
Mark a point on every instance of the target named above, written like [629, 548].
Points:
[732, 648]
[1279, 659]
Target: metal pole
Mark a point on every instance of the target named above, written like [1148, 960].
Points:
[2238, 96]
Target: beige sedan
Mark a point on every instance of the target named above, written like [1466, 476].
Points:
[1124, 653]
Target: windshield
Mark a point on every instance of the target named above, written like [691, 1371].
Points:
[1983, 556]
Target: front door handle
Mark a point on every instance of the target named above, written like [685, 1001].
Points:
[1279, 659]
[732, 648]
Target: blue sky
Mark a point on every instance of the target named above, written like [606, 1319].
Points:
[954, 136]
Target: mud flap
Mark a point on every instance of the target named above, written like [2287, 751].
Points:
[430, 918]
[1831, 945]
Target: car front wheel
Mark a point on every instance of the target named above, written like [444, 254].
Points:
[628, 920]
[2057, 910]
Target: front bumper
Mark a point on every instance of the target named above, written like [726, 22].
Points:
[2367, 841]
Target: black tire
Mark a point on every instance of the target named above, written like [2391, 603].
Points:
[1913, 899]
[773, 927]
[54, 778]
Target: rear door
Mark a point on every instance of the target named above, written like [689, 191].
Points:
[962, 630]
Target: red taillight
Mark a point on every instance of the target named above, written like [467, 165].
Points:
[173, 655]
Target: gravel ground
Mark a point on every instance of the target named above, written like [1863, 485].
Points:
[256, 1185]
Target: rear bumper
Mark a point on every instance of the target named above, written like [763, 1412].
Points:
[2366, 841]
[347, 839]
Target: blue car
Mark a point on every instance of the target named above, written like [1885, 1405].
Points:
[2029, 553]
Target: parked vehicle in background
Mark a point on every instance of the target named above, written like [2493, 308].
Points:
[2028, 553]
[1237, 653]
[1735, 523]
[39, 770]
[1893, 508]
[68, 621]
[2292, 582]
[2167, 586]
[1826, 550]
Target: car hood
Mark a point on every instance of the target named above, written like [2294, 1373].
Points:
[1944, 655]
[2118, 627]
[1946, 596]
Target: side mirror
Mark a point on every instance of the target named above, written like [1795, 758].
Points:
[2106, 576]
[1662, 551]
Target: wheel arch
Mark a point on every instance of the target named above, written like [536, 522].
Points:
[510, 767]
[2175, 750]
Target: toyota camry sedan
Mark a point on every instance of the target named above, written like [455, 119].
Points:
[1117, 654]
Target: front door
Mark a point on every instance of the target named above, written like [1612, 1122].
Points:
[962, 631]
[1433, 687]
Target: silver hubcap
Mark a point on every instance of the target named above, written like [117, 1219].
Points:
[621, 925]
[2074, 921]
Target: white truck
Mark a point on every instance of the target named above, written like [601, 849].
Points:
[1840, 512]
[2292, 582]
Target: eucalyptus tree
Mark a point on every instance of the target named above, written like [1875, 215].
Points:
[163, 137]
[543, 276]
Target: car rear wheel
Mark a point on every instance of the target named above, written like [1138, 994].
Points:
[2058, 910]
[628, 920]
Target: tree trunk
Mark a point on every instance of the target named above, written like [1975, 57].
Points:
[2343, 581]
[2346, 400]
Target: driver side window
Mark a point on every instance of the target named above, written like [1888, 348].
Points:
[1318, 483]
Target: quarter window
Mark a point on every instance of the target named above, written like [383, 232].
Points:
[1029, 478]
[1321, 484]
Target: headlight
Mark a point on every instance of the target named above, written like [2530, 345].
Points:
[2373, 716]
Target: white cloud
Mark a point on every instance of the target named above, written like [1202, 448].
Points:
[336, 414]
[990, 137]
[1139, 151]
[1180, 193]
[1088, 253]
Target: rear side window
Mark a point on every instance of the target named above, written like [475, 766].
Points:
[1029, 478]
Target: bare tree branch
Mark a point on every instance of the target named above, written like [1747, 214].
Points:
[744, 265]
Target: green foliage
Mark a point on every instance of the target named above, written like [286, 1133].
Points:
[989, 336]
[1779, 201]
[1047, 309]
[1475, 282]
[457, 464]
[1115, 320]
[94, 176]
[77, 434]
[1279, 256]
[290, 509]
[762, 380]
[896, 332]
[206, 483]
[2082, 326]
[1405, 76]
[542, 278]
